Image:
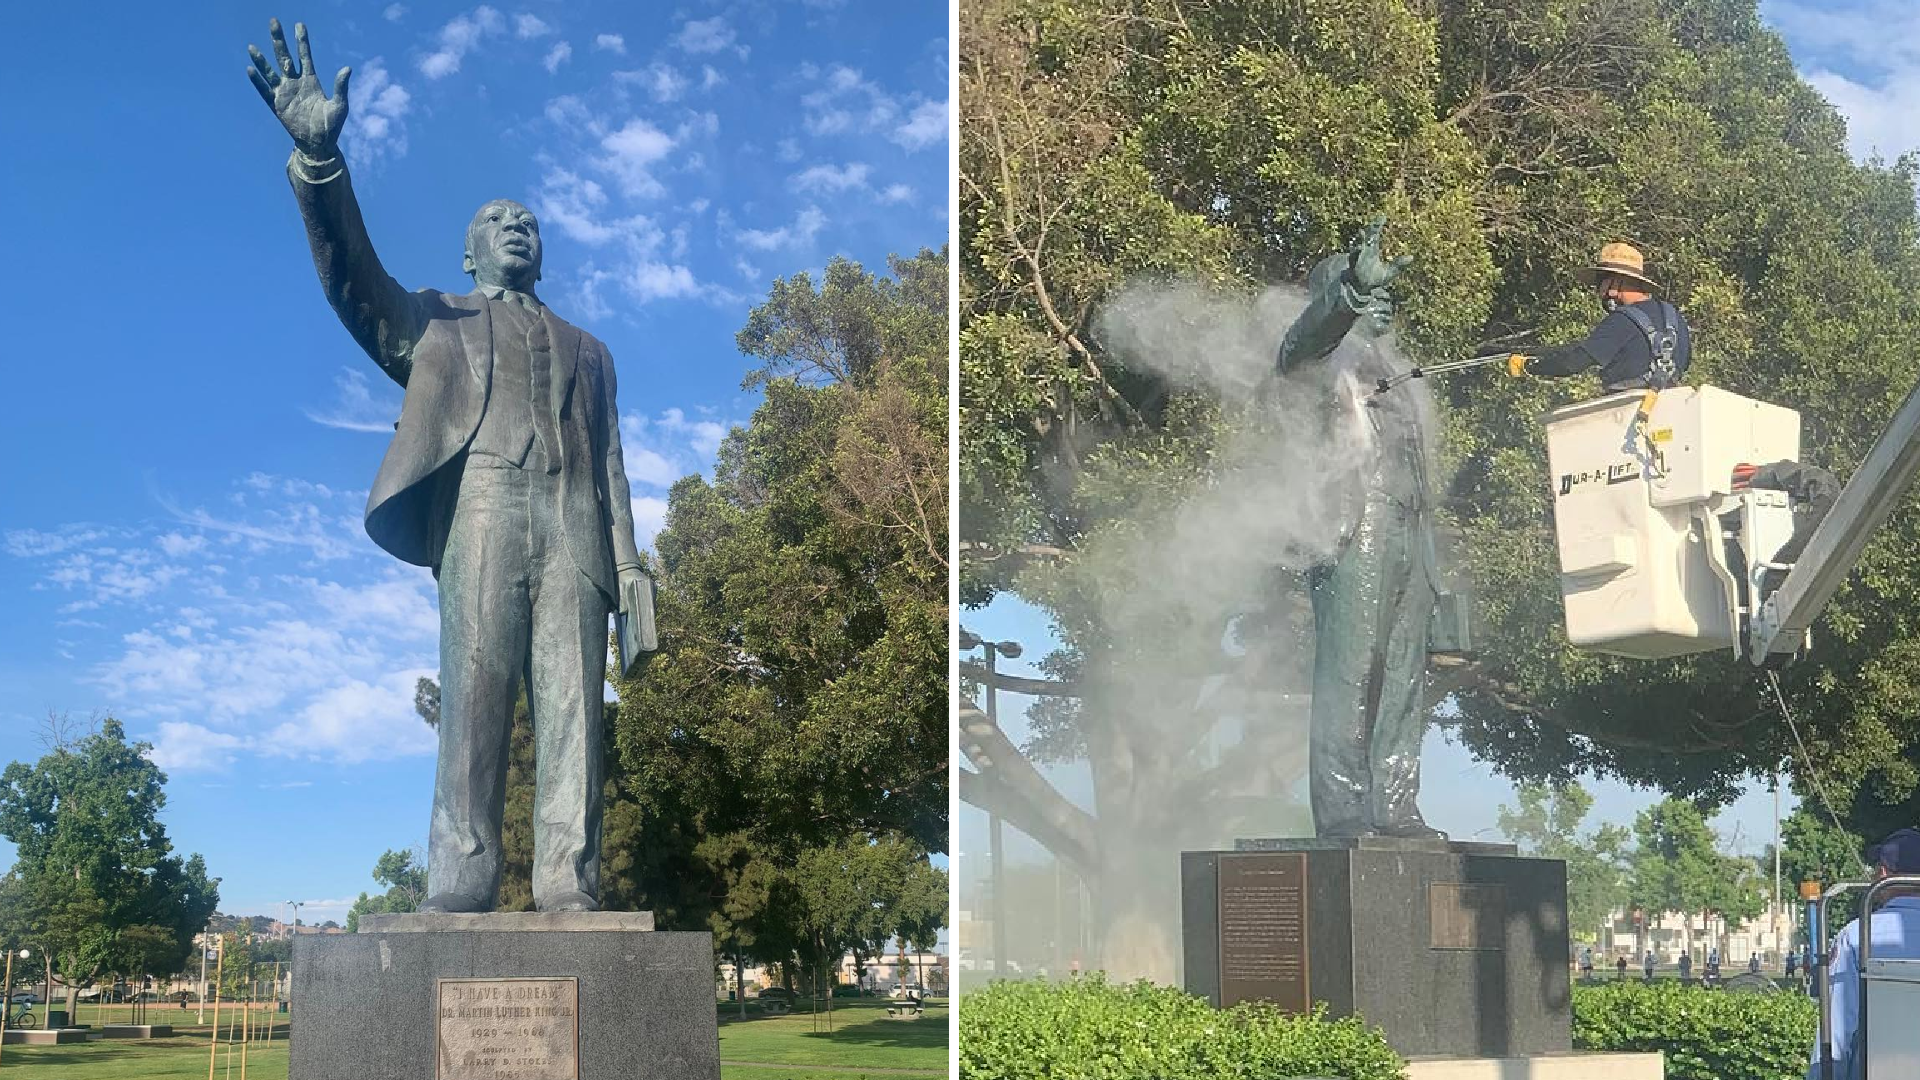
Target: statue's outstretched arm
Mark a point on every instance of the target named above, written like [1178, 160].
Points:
[383, 317]
[1341, 288]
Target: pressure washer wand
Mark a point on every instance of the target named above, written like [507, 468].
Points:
[1384, 385]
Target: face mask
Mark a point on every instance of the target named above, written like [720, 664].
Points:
[1609, 302]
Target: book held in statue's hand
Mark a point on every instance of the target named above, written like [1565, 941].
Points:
[634, 625]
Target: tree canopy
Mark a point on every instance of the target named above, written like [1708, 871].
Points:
[1545, 822]
[797, 709]
[1229, 145]
[96, 884]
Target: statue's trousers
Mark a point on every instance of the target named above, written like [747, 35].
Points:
[513, 605]
[1371, 607]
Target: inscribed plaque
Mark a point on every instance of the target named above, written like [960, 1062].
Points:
[1263, 930]
[509, 1029]
[1464, 916]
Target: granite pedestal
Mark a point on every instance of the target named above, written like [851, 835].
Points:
[1452, 949]
[534, 997]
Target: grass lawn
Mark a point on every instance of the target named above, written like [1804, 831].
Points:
[862, 1039]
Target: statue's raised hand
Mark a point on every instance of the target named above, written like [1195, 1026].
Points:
[295, 95]
[1367, 270]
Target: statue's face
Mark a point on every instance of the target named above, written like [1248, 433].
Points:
[503, 246]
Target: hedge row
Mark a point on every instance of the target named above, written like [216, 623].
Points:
[1088, 1029]
[1705, 1034]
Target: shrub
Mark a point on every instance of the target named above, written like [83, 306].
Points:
[1705, 1034]
[1087, 1029]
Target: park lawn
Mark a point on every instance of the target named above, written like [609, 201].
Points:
[160, 1059]
[862, 1037]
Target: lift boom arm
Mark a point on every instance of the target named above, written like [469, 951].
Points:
[1863, 505]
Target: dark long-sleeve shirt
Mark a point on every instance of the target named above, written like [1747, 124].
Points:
[1619, 348]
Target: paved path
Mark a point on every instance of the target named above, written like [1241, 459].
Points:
[836, 1068]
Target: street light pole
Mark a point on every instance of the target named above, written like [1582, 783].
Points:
[991, 651]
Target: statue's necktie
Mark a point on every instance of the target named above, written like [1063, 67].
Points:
[540, 361]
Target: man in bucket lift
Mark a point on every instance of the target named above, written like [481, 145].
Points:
[1643, 343]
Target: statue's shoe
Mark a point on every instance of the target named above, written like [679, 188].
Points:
[451, 904]
[1414, 829]
[569, 901]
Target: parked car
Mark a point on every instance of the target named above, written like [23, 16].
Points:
[908, 990]
[25, 997]
[780, 992]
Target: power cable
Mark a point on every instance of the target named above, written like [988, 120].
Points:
[1806, 760]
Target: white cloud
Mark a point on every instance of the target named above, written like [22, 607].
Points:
[182, 747]
[632, 152]
[395, 12]
[176, 546]
[649, 517]
[649, 280]
[1880, 118]
[459, 37]
[358, 407]
[613, 43]
[802, 231]
[32, 543]
[661, 81]
[709, 78]
[846, 101]
[830, 178]
[530, 26]
[787, 150]
[704, 436]
[573, 204]
[925, 126]
[376, 125]
[557, 55]
[746, 269]
[708, 36]
[897, 193]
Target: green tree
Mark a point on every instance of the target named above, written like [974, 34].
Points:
[404, 874]
[798, 701]
[1677, 866]
[97, 884]
[1545, 823]
[1235, 143]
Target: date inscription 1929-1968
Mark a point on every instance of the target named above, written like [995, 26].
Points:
[509, 1029]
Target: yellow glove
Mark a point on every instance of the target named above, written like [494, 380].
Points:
[1517, 364]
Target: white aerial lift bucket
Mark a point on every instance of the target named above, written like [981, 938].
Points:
[1644, 514]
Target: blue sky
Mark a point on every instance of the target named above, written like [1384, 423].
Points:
[1865, 58]
[180, 544]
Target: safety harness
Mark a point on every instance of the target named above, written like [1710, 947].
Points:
[1663, 339]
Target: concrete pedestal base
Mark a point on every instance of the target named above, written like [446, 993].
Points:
[1454, 950]
[430, 1002]
[46, 1037]
[136, 1031]
[1546, 1067]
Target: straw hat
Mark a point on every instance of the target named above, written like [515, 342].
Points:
[1621, 260]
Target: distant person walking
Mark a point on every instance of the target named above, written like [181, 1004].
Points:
[1646, 965]
[1793, 961]
[1686, 967]
[1586, 964]
[1620, 968]
[1753, 964]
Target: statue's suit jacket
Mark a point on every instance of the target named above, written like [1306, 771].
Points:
[440, 347]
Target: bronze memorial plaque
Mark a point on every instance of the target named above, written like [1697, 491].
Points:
[1464, 916]
[1263, 930]
[509, 1029]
